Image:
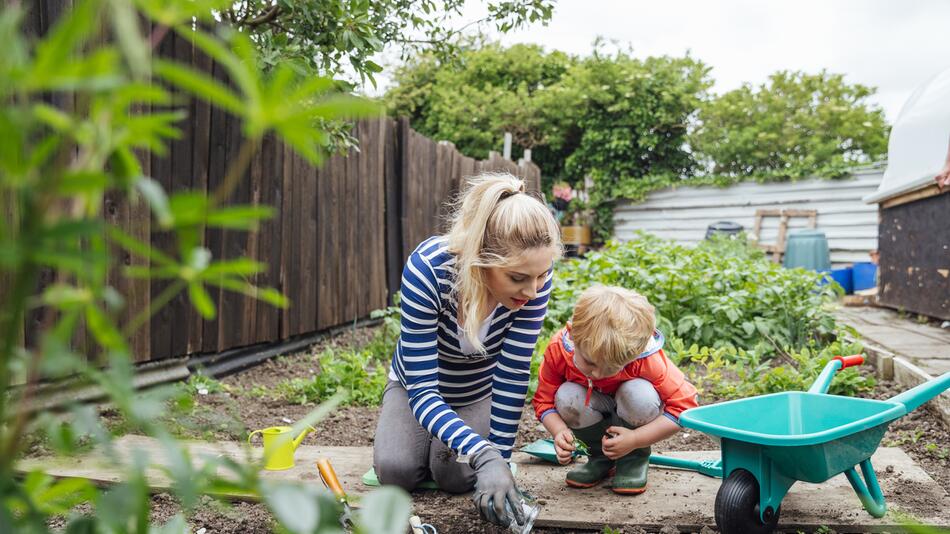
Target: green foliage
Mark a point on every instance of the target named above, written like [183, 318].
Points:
[718, 294]
[358, 374]
[638, 125]
[794, 126]
[740, 324]
[729, 373]
[328, 36]
[487, 90]
[57, 164]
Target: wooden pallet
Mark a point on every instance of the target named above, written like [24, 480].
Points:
[778, 249]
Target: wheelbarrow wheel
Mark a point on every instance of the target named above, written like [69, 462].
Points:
[737, 506]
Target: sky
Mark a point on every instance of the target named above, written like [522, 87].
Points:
[891, 45]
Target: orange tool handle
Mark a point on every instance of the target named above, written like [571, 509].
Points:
[850, 361]
[329, 477]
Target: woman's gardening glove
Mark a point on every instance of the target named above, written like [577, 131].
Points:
[493, 485]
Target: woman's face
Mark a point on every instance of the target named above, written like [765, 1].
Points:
[514, 285]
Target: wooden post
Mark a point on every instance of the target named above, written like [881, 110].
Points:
[507, 151]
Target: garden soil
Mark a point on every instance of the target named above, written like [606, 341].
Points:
[922, 435]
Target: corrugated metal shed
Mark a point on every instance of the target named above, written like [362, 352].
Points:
[683, 214]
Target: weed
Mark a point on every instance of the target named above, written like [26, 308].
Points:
[359, 373]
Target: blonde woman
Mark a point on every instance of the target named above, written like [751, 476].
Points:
[473, 303]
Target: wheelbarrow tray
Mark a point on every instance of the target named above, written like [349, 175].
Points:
[807, 436]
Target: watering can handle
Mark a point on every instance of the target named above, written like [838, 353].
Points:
[850, 361]
[251, 435]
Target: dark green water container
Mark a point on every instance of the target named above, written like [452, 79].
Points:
[807, 248]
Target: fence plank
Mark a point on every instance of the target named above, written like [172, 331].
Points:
[201, 161]
[392, 164]
[269, 248]
[288, 248]
[309, 225]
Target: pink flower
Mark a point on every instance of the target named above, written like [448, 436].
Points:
[563, 191]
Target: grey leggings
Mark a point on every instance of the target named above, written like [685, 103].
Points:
[405, 453]
[636, 402]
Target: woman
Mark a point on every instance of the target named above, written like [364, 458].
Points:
[473, 303]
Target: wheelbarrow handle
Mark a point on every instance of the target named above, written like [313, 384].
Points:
[850, 361]
[823, 382]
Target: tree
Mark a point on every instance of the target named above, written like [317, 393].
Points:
[323, 36]
[632, 118]
[793, 126]
[486, 91]
[610, 116]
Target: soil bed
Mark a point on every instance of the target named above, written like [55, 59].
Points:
[249, 403]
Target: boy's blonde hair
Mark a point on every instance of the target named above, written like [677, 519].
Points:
[612, 325]
[493, 223]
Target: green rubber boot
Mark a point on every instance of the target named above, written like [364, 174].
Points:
[598, 466]
[631, 475]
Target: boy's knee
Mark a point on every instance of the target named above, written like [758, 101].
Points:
[393, 472]
[569, 402]
[638, 402]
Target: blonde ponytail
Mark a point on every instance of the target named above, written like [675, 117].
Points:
[494, 221]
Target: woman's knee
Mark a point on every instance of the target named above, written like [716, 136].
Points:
[400, 472]
[638, 402]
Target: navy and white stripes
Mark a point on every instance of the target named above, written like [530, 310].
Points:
[438, 377]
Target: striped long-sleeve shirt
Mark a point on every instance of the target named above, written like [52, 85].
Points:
[438, 377]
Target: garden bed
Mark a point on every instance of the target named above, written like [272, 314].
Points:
[247, 401]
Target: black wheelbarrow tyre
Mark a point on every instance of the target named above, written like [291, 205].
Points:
[737, 506]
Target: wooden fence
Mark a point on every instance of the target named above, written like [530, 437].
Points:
[336, 245]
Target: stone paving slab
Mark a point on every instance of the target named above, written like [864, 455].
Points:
[679, 498]
[924, 345]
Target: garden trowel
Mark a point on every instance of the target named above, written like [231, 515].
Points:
[328, 475]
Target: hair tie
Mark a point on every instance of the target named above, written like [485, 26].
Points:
[507, 194]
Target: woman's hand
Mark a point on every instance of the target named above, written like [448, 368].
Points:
[564, 446]
[494, 485]
[619, 441]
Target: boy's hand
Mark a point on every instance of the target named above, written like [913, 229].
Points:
[619, 441]
[564, 446]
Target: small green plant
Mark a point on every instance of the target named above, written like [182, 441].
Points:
[355, 372]
[580, 447]
[384, 342]
[204, 385]
[937, 451]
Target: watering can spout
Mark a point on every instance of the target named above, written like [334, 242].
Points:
[299, 439]
[914, 397]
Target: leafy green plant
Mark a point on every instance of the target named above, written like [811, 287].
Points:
[357, 374]
[739, 324]
[57, 164]
[384, 342]
[716, 294]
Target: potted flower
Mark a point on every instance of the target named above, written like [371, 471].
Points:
[572, 213]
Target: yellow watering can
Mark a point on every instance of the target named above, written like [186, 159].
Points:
[279, 446]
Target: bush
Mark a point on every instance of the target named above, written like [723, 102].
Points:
[722, 293]
[736, 322]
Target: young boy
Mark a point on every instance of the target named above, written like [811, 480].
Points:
[605, 380]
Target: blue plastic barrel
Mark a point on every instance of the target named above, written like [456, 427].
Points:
[844, 279]
[865, 274]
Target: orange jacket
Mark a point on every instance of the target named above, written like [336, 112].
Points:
[676, 393]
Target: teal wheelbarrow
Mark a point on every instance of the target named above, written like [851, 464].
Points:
[772, 441]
